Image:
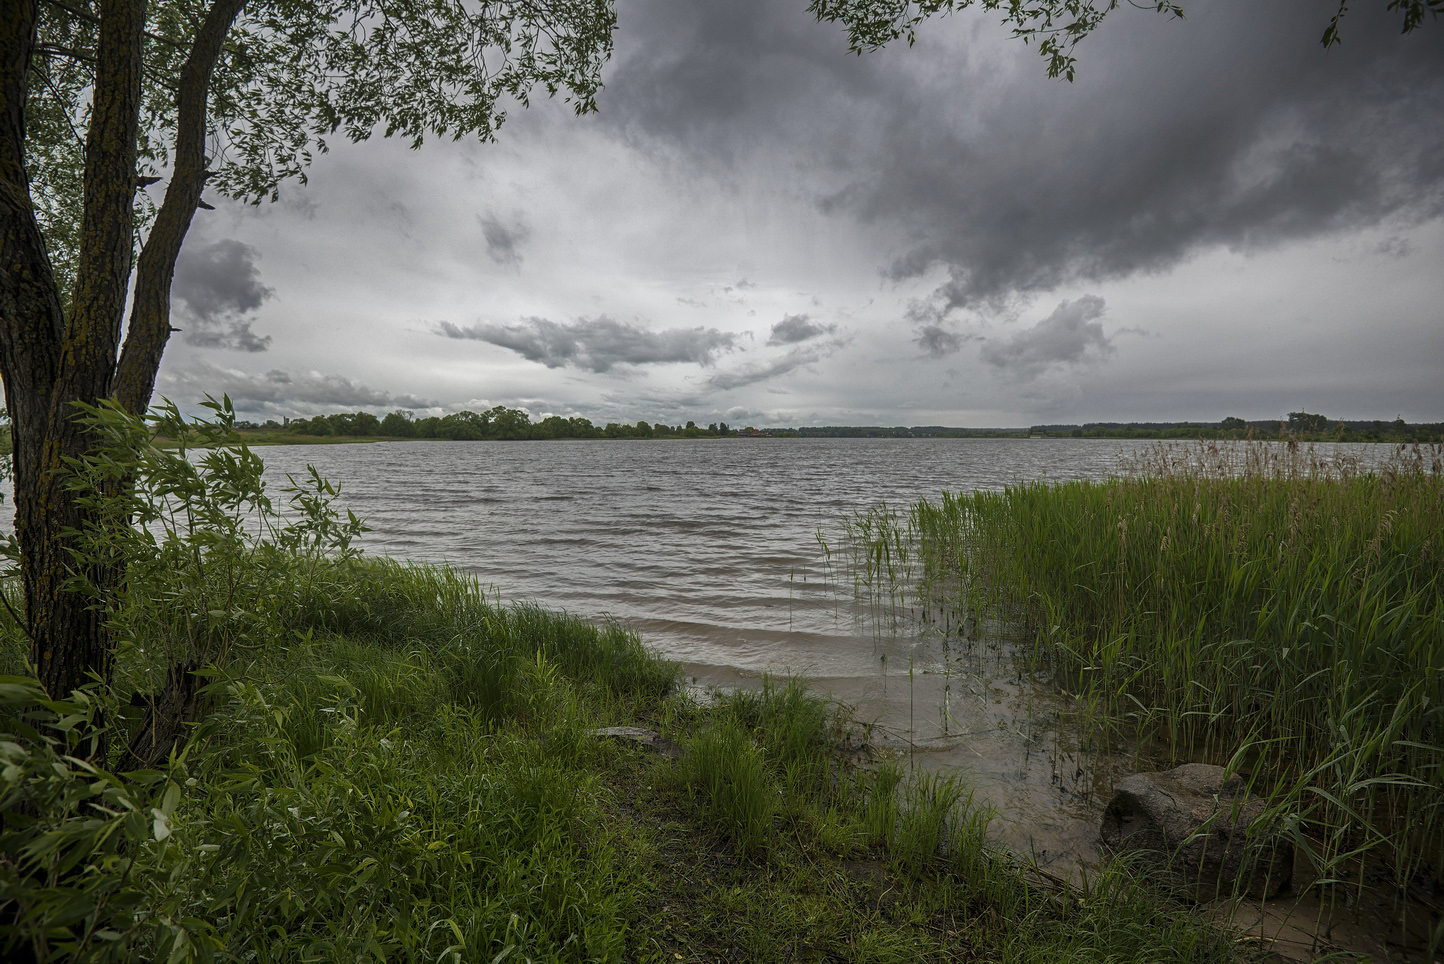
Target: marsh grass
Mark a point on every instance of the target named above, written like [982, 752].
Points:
[403, 780]
[730, 783]
[1272, 607]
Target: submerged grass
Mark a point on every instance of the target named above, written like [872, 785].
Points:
[409, 774]
[1270, 607]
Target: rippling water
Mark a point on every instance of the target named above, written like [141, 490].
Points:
[710, 548]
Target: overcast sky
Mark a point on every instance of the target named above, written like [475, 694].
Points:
[1218, 217]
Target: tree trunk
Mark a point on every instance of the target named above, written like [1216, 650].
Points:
[70, 644]
[49, 363]
[150, 314]
[163, 723]
[33, 322]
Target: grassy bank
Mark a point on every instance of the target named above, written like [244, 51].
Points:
[1272, 608]
[407, 773]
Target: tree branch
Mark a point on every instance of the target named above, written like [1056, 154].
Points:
[89, 17]
[71, 53]
[150, 327]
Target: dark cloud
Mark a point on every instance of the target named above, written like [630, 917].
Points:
[1395, 247]
[597, 344]
[1230, 128]
[756, 372]
[504, 241]
[808, 346]
[285, 393]
[1070, 335]
[797, 328]
[937, 340]
[216, 287]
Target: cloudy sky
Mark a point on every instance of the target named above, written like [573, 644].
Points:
[1218, 217]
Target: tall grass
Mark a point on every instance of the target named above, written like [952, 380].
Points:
[1271, 607]
[403, 776]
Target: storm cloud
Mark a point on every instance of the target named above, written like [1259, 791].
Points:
[597, 344]
[797, 328]
[280, 392]
[809, 341]
[938, 341]
[1232, 128]
[754, 372]
[1070, 335]
[503, 240]
[216, 288]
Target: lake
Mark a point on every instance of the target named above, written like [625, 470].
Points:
[710, 549]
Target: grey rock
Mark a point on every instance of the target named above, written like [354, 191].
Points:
[1190, 826]
[646, 739]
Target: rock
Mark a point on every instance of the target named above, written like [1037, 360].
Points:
[647, 739]
[1191, 825]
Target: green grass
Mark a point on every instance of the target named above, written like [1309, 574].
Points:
[1273, 608]
[407, 774]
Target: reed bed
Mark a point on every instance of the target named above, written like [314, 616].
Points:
[1272, 607]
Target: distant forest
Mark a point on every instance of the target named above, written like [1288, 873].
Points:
[511, 423]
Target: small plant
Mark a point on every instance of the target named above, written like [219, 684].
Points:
[726, 775]
[933, 807]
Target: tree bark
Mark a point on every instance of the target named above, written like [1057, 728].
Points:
[48, 362]
[150, 314]
[32, 323]
[70, 644]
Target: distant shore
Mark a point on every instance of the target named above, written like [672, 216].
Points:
[1388, 433]
[508, 424]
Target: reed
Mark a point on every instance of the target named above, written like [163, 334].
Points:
[1273, 607]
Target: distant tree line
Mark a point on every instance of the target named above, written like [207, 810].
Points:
[510, 423]
[495, 423]
[1304, 426]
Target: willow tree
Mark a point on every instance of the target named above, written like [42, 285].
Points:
[1055, 26]
[100, 99]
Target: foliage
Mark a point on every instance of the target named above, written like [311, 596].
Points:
[499, 422]
[1056, 25]
[86, 857]
[1270, 607]
[208, 561]
[495, 423]
[293, 74]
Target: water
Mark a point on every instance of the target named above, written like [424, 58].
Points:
[710, 549]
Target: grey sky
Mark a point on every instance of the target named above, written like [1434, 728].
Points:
[1217, 218]
[216, 292]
